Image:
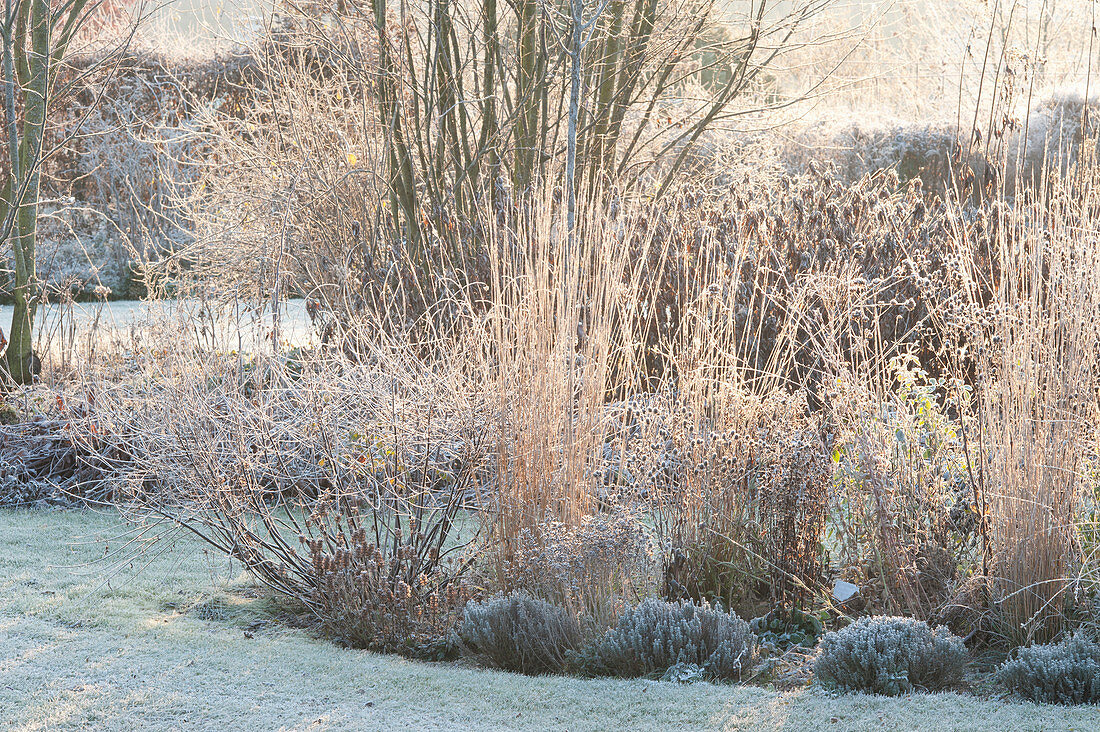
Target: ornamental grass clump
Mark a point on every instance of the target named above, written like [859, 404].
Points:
[521, 633]
[1056, 673]
[655, 635]
[890, 656]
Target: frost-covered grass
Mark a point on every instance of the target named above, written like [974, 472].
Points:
[161, 642]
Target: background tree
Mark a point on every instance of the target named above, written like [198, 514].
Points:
[36, 36]
[439, 115]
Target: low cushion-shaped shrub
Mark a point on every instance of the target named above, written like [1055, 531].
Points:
[521, 633]
[890, 656]
[654, 636]
[1058, 673]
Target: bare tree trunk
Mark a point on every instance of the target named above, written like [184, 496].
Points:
[36, 91]
[574, 112]
[599, 146]
[35, 36]
[527, 100]
[402, 178]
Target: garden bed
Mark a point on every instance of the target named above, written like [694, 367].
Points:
[96, 636]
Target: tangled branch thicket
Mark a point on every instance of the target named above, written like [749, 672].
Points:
[383, 141]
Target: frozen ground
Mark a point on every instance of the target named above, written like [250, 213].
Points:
[225, 328]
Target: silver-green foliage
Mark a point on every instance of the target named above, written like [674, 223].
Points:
[656, 635]
[891, 656]
[520, 633]
[1058, 673]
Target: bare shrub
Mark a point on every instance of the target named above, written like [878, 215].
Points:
[140, 151]
[794, 495]
[917, 150]
[125, 152]
[344, 488]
